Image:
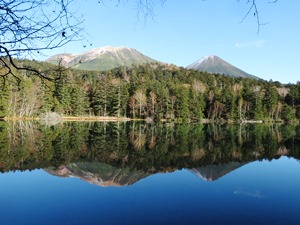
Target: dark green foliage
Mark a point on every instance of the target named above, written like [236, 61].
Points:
[152, 90]
[48, 99]
[288, 113]
[298, 112]
[62, 95]
[79, 101]
[182, 104]
[4, 101]
[271, 99]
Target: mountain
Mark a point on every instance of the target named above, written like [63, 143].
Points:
[214, 64]
[214, 172]
[101, 59]
[100, 174]
[108, 57]
[106, 175]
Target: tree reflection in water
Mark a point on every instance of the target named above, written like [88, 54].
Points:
[122, 153]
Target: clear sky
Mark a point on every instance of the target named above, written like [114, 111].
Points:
[182, 32]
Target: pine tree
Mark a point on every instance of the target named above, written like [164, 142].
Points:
[4, 98]
[79, 101]
[182, 103]
[271, 99]
[99, 98]
[47, 98]
[123, 97]
[62, 102]
[288, 113]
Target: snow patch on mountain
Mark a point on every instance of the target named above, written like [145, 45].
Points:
[102, 59]
[216, 65]
[202, 60]
[95, 53]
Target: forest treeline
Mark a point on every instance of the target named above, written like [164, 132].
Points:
[141, 146]
[153, 91]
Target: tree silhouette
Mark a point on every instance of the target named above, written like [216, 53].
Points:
[29, 26]
[253, 8]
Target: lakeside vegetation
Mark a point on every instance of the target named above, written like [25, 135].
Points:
[153, 91]
[150, 148]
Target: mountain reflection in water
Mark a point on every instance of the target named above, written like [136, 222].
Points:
[105, 175]
[121, 154]
[98, 173]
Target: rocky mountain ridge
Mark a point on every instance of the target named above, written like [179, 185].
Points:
[216, 65]
[101, 59]
[108, 57]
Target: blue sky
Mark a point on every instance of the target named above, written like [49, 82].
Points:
[182, 32]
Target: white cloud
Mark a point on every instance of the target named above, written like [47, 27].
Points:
[250, 44]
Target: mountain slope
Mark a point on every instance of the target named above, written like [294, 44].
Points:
[214, 64]
[100, 174]
[214, 172]
[101, 59]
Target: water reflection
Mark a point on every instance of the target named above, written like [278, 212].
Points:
[120, 154]
[98, 173]
[249, 186]
[214, 172]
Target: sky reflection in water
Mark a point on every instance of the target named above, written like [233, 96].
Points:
[256, 193]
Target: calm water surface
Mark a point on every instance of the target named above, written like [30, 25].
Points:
[244, 182]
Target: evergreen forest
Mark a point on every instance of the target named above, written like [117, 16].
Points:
[157, 92]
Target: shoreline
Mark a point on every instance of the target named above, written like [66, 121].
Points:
[126, 119]
[72, 118]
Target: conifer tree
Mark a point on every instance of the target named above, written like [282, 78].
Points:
[4, 98]
[79, 101]
[270, 99]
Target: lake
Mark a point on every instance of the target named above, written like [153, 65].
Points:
[137, 173]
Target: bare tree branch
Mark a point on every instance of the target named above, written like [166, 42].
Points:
[253, 8]
[28, 27]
